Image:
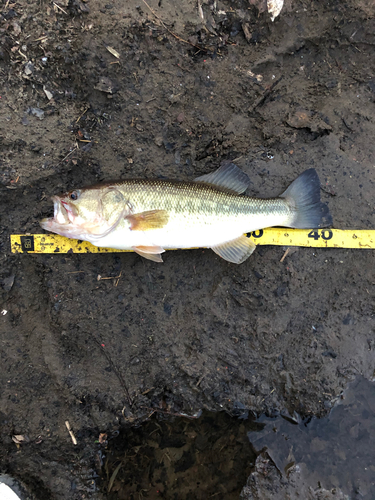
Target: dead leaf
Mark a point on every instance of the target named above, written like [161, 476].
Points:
[102, 437]
[113, 477]
[274, 8]
[20, 439]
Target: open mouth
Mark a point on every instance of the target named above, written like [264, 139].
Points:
[60, 211]
[60, 215]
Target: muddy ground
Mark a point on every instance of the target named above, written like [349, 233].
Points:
[185, 89]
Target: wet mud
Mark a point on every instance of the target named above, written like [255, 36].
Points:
[93, 91]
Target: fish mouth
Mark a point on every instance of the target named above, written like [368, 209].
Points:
[60, 215]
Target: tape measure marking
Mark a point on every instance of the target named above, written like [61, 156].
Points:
[322, 238]
[27, 243]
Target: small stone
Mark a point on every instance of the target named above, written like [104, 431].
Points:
[48, 93]
[7, 283]
[39, 113]
[29, 68]
[158, 140]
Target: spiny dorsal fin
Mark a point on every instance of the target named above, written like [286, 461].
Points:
[236, 251]
[227, 176]
[144, 221]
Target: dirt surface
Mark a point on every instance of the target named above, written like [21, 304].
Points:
[195, 332]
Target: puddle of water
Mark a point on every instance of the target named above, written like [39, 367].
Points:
[211, 457]
[180, 459]
[335, 452]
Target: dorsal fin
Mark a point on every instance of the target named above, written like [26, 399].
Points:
[227, 176]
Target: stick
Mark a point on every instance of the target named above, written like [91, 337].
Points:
[285, 254]
[62, 10]
[262, 98]
[71, 432]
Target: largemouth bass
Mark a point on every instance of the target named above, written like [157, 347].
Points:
[151, 216]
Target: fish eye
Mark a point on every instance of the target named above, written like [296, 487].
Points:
[74, 195]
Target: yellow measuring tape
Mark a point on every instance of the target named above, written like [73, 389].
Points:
[320, 238]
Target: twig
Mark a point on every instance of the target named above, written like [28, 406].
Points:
[285, 254]
[80, 116]
[184, 69]
[328, 190]
[200, 10]
[346, 125]
[267, 92]
[70, 432]
[117, 372]
[158, 410]
[40, 39]
[99, 278]
[67, 156]
[58, 6]
[171, 32]
[202, 377]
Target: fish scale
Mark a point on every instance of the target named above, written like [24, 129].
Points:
[151, 216]
[201, 201]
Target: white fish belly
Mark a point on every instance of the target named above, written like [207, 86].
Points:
[187, 234]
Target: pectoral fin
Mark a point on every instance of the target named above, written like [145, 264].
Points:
[236, 251]
[150, 253]
[144, 221]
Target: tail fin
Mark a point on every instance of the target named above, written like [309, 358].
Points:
[303, 196]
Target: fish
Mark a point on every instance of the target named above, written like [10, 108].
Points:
[150, 216]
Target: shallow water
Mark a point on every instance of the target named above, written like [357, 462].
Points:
[212, 457]
[335, 452]
[209, 457]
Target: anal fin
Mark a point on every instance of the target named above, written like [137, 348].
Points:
[150, 252]
[236, 251]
